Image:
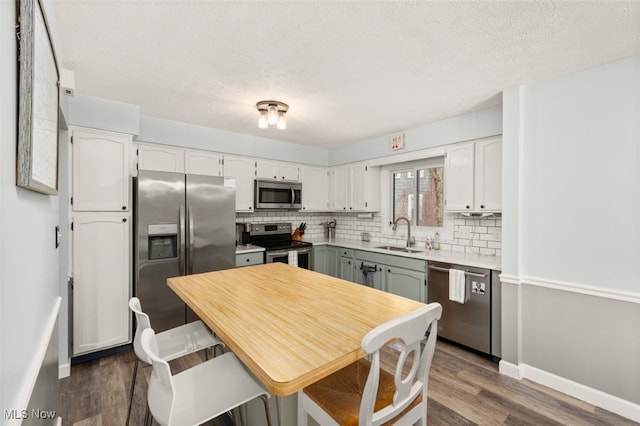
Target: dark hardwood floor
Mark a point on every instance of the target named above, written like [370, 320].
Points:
[464, 389]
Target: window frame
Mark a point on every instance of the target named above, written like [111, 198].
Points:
[387, 198]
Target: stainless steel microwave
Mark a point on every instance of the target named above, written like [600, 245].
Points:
[270, 194]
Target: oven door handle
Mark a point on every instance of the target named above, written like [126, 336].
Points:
[304, 250]
[277, 253]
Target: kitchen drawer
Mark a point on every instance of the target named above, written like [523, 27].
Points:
[391, 260]
[247, 259]
[345, 252]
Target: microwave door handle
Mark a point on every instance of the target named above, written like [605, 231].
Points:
[181, 235]
[293, 196]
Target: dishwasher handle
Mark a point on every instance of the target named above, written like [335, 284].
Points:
[471, 274]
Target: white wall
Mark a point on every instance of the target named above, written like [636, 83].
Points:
[571, 235]
[28, 258]
[581, 178]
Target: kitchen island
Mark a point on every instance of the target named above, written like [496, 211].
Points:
[290, 326]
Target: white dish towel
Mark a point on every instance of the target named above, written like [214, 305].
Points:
[293, 258]
[457, 286]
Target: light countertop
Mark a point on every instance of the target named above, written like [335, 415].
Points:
[459, 258]
[248, 248]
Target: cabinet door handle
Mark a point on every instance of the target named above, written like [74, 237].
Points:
[124, 219]
[482, 206]
[248, 260]
[468, 207]
[124, 207]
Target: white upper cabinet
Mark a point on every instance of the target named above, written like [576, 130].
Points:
[488, 174]
[269, 169]
[339, 183]
[355, 187]
[202, 162]
[161, 158]
[315, 188]
[364, 187]
[473, 176]
[100, 170]
[242, 169]
[459, 176]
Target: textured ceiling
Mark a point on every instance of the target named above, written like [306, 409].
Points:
[349, 70]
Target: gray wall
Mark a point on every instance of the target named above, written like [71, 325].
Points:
[28, 258]
[571, 230]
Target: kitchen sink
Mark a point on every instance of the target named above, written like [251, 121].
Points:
[403, 249]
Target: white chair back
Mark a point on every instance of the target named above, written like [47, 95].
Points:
[143, 323]
[161, 393]
[408, 331]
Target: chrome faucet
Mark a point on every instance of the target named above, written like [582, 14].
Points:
[410, 241]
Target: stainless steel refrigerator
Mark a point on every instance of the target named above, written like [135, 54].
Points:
[183, 224]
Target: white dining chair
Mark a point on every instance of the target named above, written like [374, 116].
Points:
[364, 394]
[200, 393]
[172, 344]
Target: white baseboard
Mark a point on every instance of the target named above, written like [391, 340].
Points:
[64, 370]
[585, 393]
[509, 369]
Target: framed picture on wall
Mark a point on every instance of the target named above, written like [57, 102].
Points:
[38, 80]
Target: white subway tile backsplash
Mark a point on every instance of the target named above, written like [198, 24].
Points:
[477, 235]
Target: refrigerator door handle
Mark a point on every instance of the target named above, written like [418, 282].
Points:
[190, 242]
[181, 236]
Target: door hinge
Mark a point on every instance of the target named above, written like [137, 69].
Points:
[366, 204]
[137, 152]
[366, 168]
[70, 283]
[71, 139]
[72, 226]
[71, 200]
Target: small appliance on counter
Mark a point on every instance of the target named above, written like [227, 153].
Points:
[329, 228]
[243, 233]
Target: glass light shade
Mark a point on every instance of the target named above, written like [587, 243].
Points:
[282, 122]
[262, 120]
[272, 113]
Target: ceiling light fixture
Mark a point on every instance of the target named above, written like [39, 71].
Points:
[272, 113]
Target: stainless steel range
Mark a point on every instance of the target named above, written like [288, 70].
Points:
[276, 239]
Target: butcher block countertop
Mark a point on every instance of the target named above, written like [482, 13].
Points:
[290, 326]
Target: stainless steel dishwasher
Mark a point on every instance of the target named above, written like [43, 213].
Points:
[469, 323]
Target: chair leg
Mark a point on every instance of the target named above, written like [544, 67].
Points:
[148, 420]
[133, 386]
[303, 417]
[265, 401]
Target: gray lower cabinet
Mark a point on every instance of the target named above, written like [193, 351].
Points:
[320, 259]
[396, 274]
[346, 264]
[406, 283]
[248, 259]
[325, 259]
